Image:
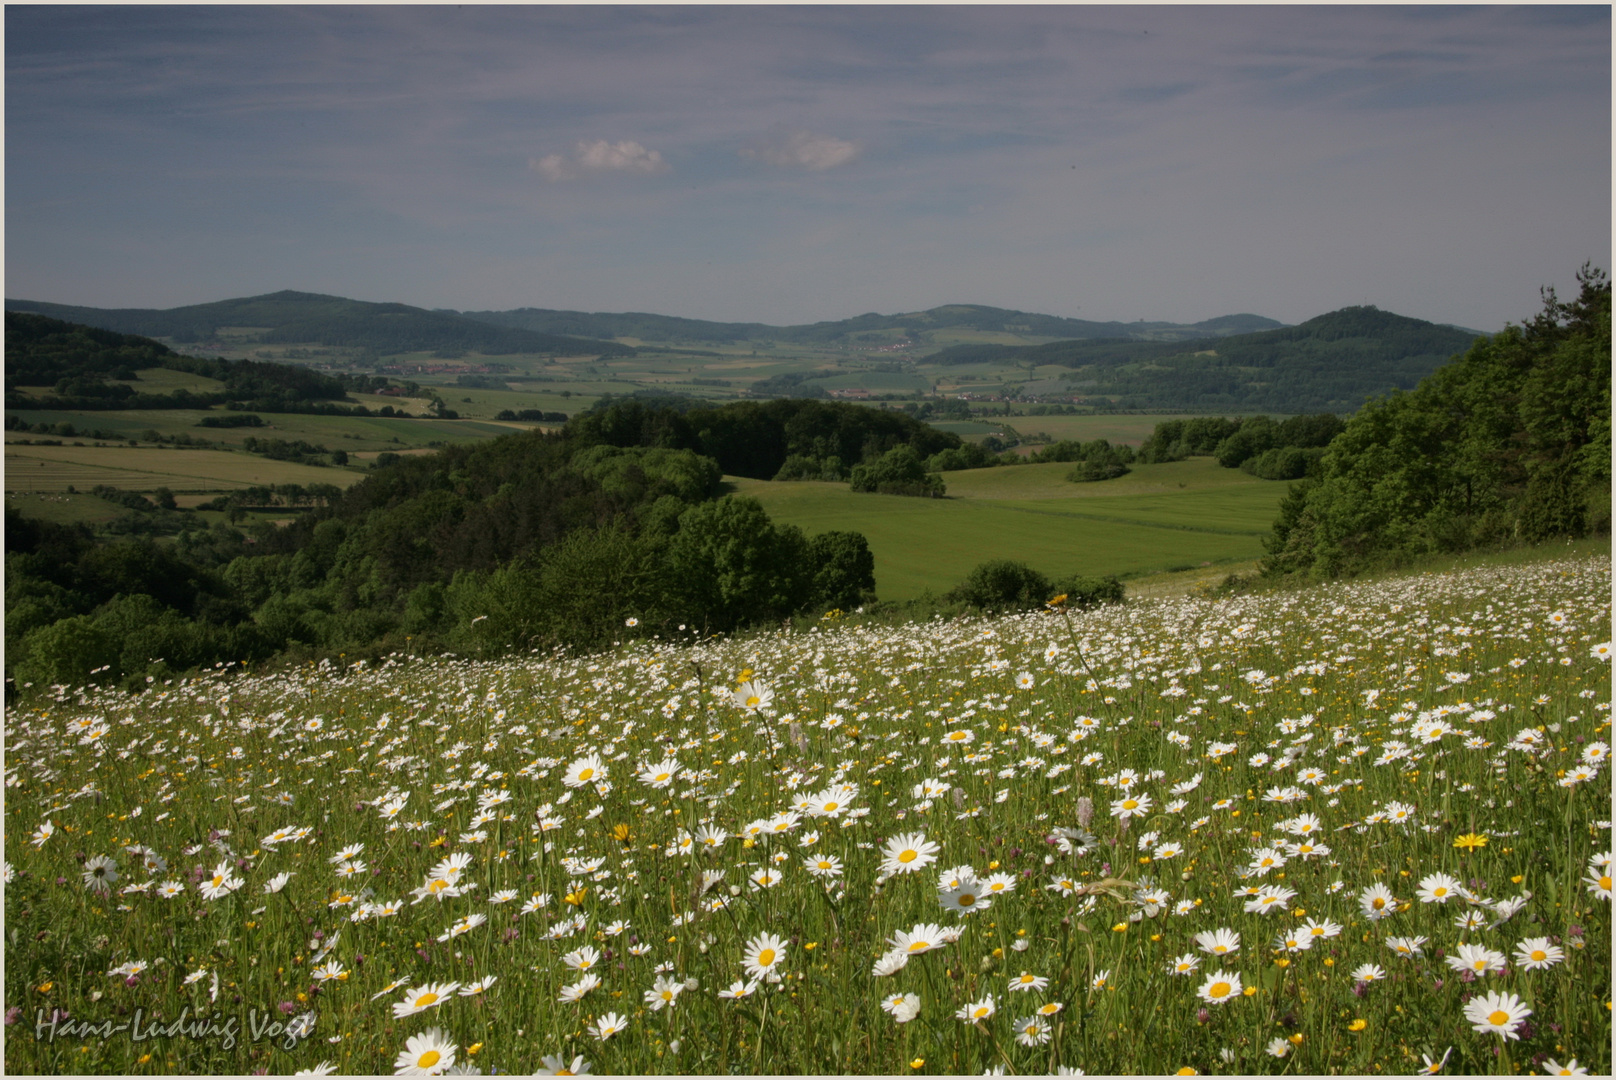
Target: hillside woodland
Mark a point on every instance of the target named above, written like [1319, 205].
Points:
[1508, 443]
[479, 548]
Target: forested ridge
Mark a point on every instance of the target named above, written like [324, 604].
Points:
[1330, 363]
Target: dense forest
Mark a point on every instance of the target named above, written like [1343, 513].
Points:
[295, 318]
[1508, 443]
[479, 548]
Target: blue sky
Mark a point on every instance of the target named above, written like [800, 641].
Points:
[792, 164]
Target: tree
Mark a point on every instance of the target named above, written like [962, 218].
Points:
[731, 565]
[899, 471]
[1001, 585]
[843, 569]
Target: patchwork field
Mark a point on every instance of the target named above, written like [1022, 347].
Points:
[54, 468]
[1361, 828]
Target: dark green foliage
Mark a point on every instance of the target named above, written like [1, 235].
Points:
[965, 456]
[899, 471]
[1007, 585]
[1087, 592]
[802, 467]
[1175, 440]
[1509, 442]
[231, 420]
[730, 565]
[1284, 462]
[42, 351]
[843, 570]
[1273, 450]
[531, 415]
[1003, 585]
[752, 438]
[1090, 471]
[1333, 362]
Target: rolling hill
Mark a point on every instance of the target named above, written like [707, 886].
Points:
[914, 325]
[298, 318]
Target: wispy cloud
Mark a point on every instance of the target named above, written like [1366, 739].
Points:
[803, 150]
[599, 156]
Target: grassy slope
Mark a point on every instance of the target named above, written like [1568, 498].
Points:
[1155, 518]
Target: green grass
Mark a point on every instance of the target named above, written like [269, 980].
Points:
[54, 468]
[1400, 699]
[1136, 524]
[64, 509]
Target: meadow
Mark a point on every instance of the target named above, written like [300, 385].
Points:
[1157, 517]
[1361, 827]
[55, 468]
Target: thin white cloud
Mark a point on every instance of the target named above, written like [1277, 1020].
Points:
[596, 156]
[803, 150]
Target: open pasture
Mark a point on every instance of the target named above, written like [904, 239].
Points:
[54, 468]
[1358, 828]
[1155, 518]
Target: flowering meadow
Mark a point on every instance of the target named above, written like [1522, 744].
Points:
[1353, 828]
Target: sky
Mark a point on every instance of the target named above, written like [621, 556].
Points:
[802, 163]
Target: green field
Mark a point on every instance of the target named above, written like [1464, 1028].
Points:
[54, 468]
[1158, 517]
[346, 432]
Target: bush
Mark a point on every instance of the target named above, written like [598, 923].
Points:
[1089, 471]
[1002, 585]
[1087, 592]
[899, 471]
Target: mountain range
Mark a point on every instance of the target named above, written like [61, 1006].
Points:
[310, 318]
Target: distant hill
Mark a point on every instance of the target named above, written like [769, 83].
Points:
[296, 318]
[1331, 363]
[914, 325]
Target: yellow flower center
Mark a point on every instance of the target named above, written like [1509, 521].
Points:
[765, 958]
[1539, 954]
[966, 900]
[425, 1000]
[1220, 989]
[1378, 903]
[1604, 882]
[753, 701]
[909, 856]
[919, 946]
[586, 774]
[1130, 804]
[1498, 1018]
[429, 1059]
